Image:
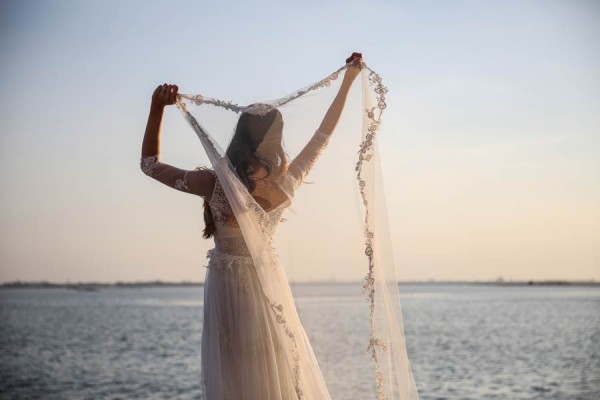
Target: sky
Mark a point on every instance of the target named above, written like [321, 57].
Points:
[492, 164]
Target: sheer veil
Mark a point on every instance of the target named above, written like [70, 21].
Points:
[335, 224]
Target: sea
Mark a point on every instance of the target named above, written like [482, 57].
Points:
[465, 341]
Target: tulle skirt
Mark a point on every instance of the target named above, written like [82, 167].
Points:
[241, 356]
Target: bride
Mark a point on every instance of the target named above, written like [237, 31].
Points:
[253, 346]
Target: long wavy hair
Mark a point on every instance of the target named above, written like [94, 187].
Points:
[257, 139]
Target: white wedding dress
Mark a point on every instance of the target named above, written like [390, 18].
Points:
[241, 354]
[254, 346]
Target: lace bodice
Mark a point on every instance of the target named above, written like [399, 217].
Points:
[226, 225]
[230, 248]
[228, 236]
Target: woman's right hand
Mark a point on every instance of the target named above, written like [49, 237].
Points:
[354, 57]
[164, 95]
[354, 63]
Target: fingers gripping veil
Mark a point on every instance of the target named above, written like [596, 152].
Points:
[307, 166]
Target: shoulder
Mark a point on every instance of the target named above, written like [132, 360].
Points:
[205, 170]
[205, 181]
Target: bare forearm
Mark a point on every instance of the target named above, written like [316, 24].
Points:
[151, 143]
[163, 96]
[334, 113]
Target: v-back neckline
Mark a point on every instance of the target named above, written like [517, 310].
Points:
[285, 203]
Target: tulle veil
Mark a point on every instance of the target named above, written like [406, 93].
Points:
[336, 225]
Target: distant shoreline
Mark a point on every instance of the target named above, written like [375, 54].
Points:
[91, 286]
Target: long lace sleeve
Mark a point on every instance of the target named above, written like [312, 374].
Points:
[199, 181]
[306, 159]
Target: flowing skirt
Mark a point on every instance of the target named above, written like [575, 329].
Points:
[241, 356]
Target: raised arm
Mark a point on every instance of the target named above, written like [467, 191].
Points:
[198, 182]
[335, 109]
[306, 159]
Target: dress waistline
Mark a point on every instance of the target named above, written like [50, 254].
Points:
[223, 260]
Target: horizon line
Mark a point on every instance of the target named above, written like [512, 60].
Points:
[158, 282]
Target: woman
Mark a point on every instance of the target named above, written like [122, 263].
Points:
[243, 356]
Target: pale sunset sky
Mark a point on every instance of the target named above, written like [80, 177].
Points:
[491, 158]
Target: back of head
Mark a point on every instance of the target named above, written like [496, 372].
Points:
[258, 138]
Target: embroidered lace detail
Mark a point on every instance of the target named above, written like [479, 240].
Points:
[148, 164]
[219, 205]
[365, 155]
[232, 245]
[322, 83]
[259, 108]
[199, 100]
[224, 216]
[232, 255]
[260, 214]
[277, 310]
[182, 184]
[228, 261]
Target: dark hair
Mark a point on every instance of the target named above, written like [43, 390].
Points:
[243, 150]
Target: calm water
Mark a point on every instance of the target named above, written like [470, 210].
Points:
[465, 342]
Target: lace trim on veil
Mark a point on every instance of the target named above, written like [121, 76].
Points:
[258, 108]
[366, 156]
